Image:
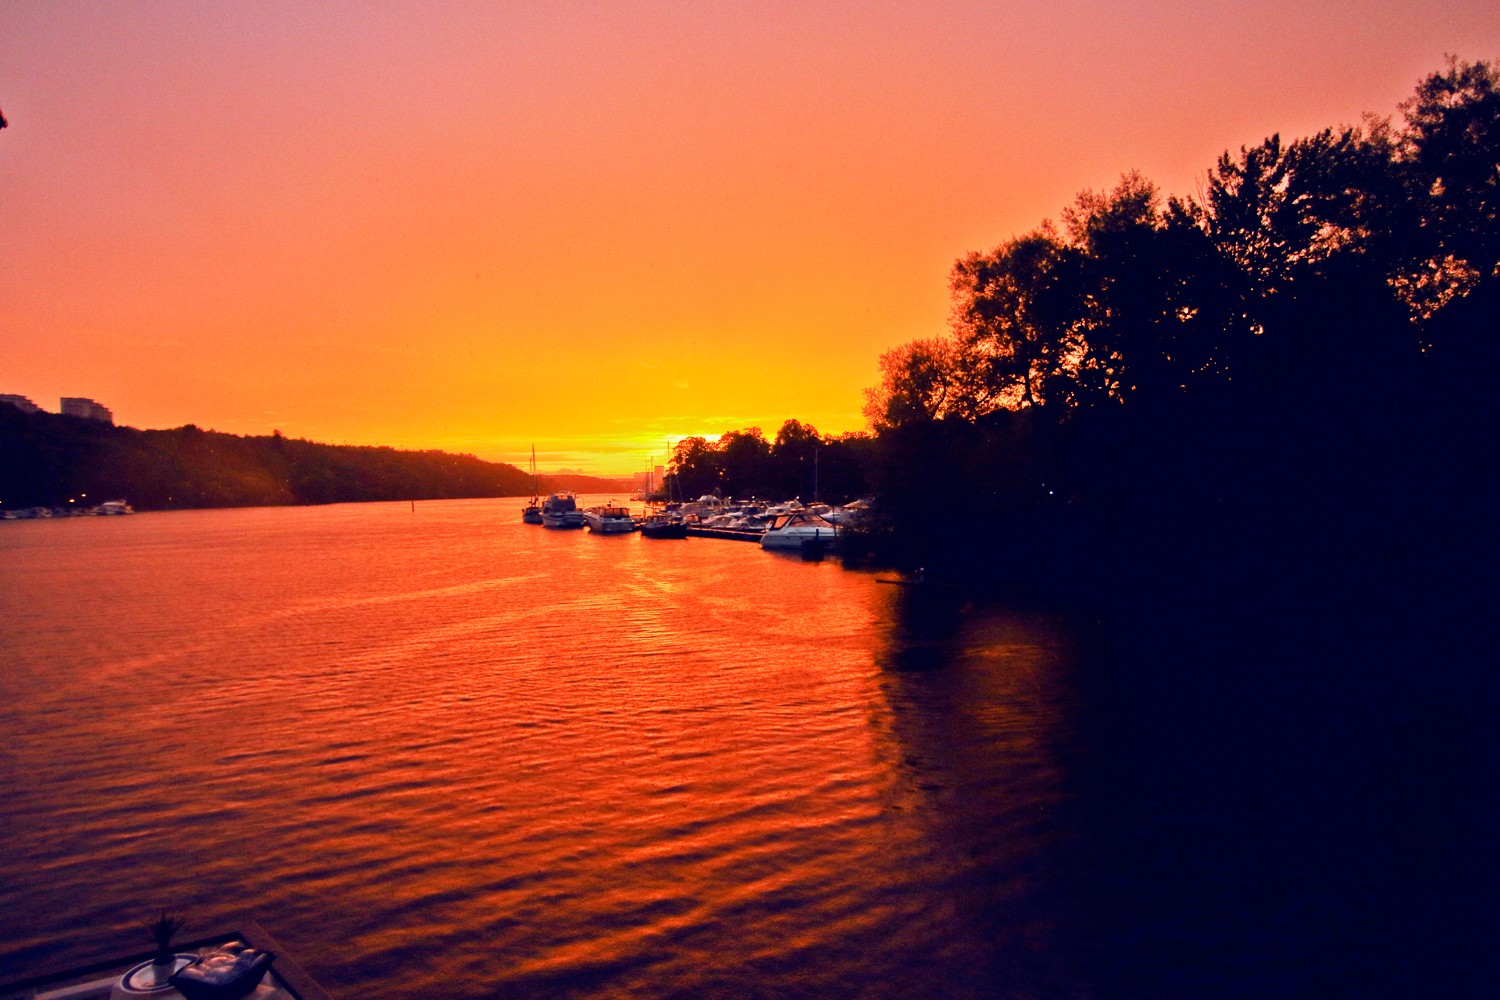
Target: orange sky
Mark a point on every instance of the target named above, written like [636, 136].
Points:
[591, 226]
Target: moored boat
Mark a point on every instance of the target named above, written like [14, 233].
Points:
[850, 513]
[790, 531]
[532, 512]
[560, 510]
[663, 526]
[609, 519]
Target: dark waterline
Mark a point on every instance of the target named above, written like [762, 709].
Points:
[438, 752]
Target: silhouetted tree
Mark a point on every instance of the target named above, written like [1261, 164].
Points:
[923, 380]
[696, 468]
[746, 459]
[1007, 310]
[1450, 150]
[1264, 363]
[795, 455]
[1146, 294]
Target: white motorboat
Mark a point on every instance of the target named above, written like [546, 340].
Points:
[790, 531]
[560, 510]
[609, 519]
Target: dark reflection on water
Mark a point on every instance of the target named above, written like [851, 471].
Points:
[439, 752]
[983, 698]
[1282, 798]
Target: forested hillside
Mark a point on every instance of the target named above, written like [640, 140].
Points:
[47, 459]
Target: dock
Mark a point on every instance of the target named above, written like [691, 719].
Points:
[734, 534]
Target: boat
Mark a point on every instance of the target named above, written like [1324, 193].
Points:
[609, 519]
[791, 531]
[240, 962]
[850, 513]
[560, 510]
[663, 526]
[532, 512]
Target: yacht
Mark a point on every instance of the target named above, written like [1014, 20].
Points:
[609, 519]
[790, 531]
[560, 510]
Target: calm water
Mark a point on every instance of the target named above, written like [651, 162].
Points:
[438, 752]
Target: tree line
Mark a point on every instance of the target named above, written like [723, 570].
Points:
[799, 463]
[1352, 241]
[1292, 363]
[47, 459]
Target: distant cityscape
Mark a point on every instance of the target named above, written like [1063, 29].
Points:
[649, 481]
[72, 406]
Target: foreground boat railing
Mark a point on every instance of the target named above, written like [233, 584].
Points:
[285, 980]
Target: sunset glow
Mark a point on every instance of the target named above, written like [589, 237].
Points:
[592, 228]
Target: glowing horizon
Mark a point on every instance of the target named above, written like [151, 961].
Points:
[585, 227]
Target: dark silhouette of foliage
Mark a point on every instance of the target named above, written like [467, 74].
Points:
[747, 462]
[48, 459]
[697, 469]
[1283, 371]
[1450, 150]
[924, 380]
[800, 463]
[1009, 309]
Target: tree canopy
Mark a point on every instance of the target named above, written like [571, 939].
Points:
[1382, 225]
[799, 463]
[1280, 357]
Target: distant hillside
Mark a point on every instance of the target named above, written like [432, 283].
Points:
[47, 459]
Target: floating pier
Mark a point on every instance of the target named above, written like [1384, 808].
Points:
[734, 534]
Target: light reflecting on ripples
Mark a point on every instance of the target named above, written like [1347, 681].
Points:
[440, 751]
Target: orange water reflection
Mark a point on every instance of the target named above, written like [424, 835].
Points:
[440, 750]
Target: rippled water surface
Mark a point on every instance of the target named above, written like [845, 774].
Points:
[439, 752]
[437, 749]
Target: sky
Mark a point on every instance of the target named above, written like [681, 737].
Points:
[593, 228]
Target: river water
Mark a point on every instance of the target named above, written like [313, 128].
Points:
[438, 752]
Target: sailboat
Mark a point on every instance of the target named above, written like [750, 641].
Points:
[532, 512]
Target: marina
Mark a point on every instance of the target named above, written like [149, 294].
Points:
[787, 526]
[109, 508]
